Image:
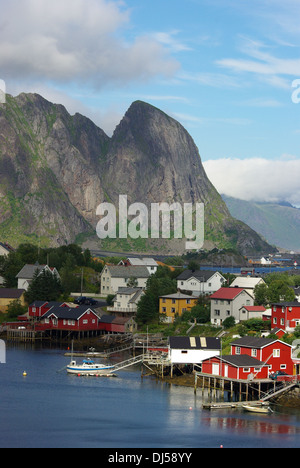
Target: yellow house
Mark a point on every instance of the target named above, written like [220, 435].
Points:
[8, 295]
[175, 304]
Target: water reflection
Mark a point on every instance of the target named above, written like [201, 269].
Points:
[254, 425]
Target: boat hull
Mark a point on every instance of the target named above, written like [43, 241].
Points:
[89, 369]
[257, 409]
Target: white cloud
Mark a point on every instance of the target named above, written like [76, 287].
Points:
[76, 41]
[269, 68]
[257, 179]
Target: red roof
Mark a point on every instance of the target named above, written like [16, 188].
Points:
[255, 308]
[227, 293]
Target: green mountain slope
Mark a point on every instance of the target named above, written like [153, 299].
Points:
[55, 169]
[279, 224]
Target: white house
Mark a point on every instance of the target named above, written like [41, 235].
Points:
[5, 249]
[251, 312]
[227, 302]
[126, 301]
[247, 282]
[149, 263]
[192, 350]
[26, 275]
[200, 281]
[114, 277]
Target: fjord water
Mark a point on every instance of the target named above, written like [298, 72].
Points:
[48, 408]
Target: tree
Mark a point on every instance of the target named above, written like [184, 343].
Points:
[279, 291]
[44, 286]
[261, 294]
[229, 322]
[132, 282]
[147, 310]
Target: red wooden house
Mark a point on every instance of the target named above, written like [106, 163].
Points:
[81, 318]
[235, 367]
[285, 315]
[38, 308]
[275, 353]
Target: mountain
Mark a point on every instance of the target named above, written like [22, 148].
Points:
[55, 169]
[278, 223]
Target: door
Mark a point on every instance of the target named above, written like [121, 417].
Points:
[216, 369]
[226, 370]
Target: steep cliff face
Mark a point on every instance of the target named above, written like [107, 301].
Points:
[55, 169]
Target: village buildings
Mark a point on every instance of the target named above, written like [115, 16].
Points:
[285, 315]
[126, 301]
[173, 305]
[114, 277]
[227, 302]
[9, 295]
[26, 274]
[200, 281]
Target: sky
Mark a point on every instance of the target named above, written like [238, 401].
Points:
[227, 70]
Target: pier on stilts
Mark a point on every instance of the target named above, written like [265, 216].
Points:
[239, 392]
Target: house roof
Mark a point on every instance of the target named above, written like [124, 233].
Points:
[73, 313]
[10, 293]
[227, 293]
[198, 274]
[28, 270]
[128, 291]
[241, 360]
[287, 304]
[247, 282]
[197, 342]
[121, 271]
[254, 308]
[38, 303]
[254, 342]
[178, 295]
[142, 261]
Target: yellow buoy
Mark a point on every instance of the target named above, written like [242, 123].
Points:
[24, 373]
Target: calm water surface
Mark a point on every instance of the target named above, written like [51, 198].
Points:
[48, 408]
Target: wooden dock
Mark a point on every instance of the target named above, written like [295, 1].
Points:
[24, 336]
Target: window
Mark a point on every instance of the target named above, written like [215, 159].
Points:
[282, 321]
[237, 350]
[275, 320]
[188, 301]
[164, 301]
[246, 369]
[85, 322]
[173, 301]
[276, 352]
[173, 310]
[254, 352]
[217, 312]
[164, 309]
[227, 312]
[282, 366]
[184, 351]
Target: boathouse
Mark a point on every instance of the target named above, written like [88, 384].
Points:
[192, 350]
[241, 367]
[81, 318]
[285, 315]
[273, 352]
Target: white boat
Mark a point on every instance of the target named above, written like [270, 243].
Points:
[257, 409]
[89, 367]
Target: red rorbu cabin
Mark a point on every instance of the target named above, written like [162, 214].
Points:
[276, 354]
[235, 367]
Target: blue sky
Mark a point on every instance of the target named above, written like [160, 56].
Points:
[224, 69]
